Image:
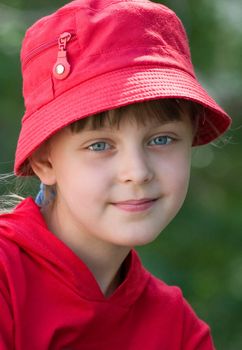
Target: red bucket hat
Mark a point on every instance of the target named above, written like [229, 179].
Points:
[95, 55]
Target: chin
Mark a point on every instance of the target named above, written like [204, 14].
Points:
[141, 240]
[144, 242]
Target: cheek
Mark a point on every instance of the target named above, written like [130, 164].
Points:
[84, 185]
[182, 179]
[178, 174]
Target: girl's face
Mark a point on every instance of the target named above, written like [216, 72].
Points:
[118, 185]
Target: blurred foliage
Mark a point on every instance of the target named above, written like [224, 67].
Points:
[201, 249]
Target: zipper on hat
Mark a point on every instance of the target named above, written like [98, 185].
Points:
[45, 46]
[62, 67]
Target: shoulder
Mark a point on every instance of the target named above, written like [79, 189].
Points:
[14, 227]
[10, 250]
[15, 240]
[159, 290]
[168, 302]
[168, 297]
[22, 207]
[21, 218]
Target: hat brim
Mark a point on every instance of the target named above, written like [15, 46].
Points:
[112, 90]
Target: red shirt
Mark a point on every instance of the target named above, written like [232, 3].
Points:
[50, 300]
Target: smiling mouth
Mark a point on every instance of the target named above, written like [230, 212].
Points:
[135, 205]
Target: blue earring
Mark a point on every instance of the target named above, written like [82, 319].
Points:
[39, 200]
[45, 197]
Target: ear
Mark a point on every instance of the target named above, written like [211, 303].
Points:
[41, 165]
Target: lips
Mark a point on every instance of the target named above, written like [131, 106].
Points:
[136, 205]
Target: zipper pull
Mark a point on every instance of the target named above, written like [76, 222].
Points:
[62, 67]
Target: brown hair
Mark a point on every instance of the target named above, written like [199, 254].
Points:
[160, 110]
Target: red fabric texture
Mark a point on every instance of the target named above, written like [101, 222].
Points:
[119, 52]
[50, 300]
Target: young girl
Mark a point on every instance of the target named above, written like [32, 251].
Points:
[112, 110]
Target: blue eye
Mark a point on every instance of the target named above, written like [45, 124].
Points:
[99, 146]
[161, 140]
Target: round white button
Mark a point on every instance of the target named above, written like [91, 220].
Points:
[59, 69]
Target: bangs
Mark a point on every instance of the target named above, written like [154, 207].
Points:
[163, 110]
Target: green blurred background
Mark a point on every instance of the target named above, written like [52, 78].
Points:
[201, 250]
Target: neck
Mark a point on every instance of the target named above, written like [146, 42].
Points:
[107, 270]
[105, 263]
[103, 259]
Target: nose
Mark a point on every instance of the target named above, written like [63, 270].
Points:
[135, 167]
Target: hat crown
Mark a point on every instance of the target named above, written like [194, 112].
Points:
[106, 36]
